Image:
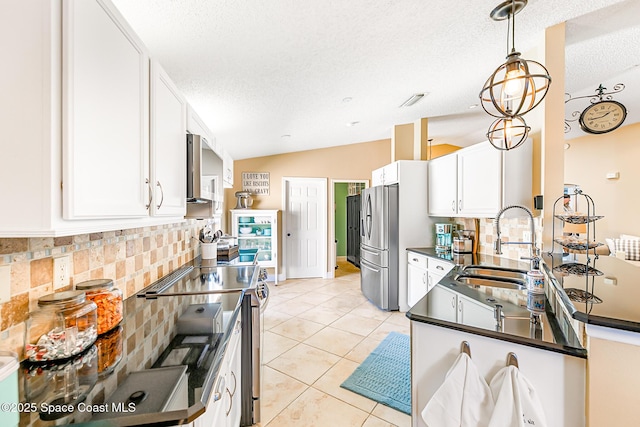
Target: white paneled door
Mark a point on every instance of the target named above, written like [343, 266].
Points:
[305, 227]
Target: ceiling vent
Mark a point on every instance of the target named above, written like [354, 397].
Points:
[413, 99]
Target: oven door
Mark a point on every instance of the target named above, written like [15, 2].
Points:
[253, 305]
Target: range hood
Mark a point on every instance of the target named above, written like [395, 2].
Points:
[204, 175]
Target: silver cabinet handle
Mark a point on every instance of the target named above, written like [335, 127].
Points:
[415, 259]
[161, 195]
[423, 277]
[230, 402]
[235, 384]
[146, 181]
[453, 301]
[460, 306]
[453, 205]
[460, 204]
[439, 267]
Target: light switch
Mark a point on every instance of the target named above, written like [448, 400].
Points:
[5, 283]
[613, 175]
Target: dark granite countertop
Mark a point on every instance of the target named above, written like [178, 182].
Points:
[617, 290]
[552, 333]
[148, 328]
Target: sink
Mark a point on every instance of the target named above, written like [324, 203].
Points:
[494, 272]
[496, 282]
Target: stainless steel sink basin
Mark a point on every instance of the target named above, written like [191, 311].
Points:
[496, 282]
[494, 272]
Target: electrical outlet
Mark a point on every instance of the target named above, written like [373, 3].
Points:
[5, 283]
[526, 236]
[61, 272]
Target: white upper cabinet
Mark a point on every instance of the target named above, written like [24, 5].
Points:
[168, 146]
[75, 124]
[386, 175]
[228, 170]
[479, 180]
[443, 186]
[105, 114]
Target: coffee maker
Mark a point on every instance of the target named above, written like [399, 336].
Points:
[444, 237]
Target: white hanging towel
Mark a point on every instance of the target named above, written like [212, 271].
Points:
[463, 400]
[516, 401]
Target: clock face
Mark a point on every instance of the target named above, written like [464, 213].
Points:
[602, 117]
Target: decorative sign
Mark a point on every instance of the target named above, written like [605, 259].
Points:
[257, 183]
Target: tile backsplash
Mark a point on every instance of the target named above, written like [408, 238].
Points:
[133, 258]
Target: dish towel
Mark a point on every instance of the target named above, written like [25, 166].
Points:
[463, 400]
[516, 401]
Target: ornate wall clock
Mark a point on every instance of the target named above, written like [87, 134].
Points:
[602, 115]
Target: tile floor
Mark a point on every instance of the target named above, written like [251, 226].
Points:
[317, 332]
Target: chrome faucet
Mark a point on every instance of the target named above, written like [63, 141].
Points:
[535, 258]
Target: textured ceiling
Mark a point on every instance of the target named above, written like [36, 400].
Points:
[257, 70]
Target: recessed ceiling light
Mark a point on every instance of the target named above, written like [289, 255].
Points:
[347, 99]
[472, 106]
[413, 99]
[285, 136]
[350, 124]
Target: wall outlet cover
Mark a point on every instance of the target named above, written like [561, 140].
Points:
[61, 272]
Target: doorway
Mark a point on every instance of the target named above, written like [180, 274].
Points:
[304, 231]
[340, 190]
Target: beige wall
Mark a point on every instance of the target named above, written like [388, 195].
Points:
[348, 162]
[586, 163]
[613, 380]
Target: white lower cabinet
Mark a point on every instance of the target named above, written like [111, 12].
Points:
[225, 406]
[450, 306]
[423, 273]
[559, 379]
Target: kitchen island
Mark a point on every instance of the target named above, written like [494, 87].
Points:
[150, 337]
[549, 352]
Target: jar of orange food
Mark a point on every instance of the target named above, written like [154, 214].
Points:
[108, 298]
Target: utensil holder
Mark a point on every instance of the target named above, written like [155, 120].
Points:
[209, 250]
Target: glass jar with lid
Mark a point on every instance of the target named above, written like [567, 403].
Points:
[64, 325]
[108, 298]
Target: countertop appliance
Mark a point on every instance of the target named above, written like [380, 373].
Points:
[444, 236]
[244, 200]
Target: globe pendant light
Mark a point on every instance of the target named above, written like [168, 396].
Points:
[518, 85]
[508, 133]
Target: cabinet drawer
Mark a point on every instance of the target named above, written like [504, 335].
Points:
[439, 267]
[418, 260]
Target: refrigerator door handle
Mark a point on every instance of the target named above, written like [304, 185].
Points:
[364, 265]
[369, 252]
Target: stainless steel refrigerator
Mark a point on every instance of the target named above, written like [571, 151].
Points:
[379, 246]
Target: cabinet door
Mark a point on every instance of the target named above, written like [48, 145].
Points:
[417, 284]
[479, 180]
[377, 177]
[234, 379]
[442, 304]
[442, 186]
[228, 170]
[105, 114]
[215, 414]
[391, 173]
[168, 146]
[473, 313]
